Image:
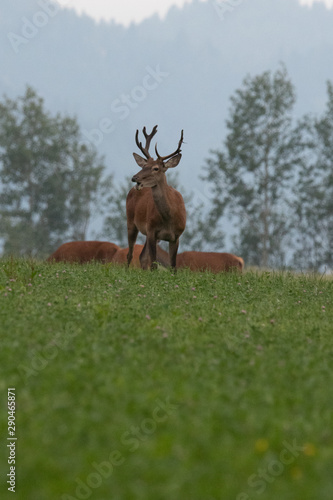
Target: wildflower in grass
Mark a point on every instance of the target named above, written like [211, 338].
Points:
[165, 335]
[259, 347]
[29, 284]
[193, 288]
[147, 316]
[243, 311]
[272, 321]
[142, 286]
[261, 445]
[200, 319]
[309, 450]
[215, 297]
[176, 286]
[194, 296]
[296, 473]
[49, 304]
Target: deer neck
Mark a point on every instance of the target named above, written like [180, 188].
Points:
[161, 198]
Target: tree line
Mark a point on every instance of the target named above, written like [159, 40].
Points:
[272, 180]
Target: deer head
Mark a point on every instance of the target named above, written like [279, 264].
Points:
[153, 171]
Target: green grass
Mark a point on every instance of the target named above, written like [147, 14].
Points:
[149, 386]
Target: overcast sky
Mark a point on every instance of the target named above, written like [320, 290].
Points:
[123, 11]
[127, 11]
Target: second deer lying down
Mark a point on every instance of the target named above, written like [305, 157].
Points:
[120, 257]
[215, 262]
[153, 207]
[84, 251]
[102, 251]
[210, 261]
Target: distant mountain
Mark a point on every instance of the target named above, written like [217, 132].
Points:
[178, 72]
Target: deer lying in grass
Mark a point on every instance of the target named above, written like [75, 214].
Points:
[120, 257]
[84, 251]
[210, 261]
[153, 207]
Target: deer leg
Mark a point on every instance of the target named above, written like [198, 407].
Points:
[173, 249]
[132, 234]
[152, 252]
[144, 256]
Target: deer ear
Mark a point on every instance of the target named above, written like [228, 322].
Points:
[140, 161]
[173, 162]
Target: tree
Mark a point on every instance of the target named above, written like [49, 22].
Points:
[50, 181]
[313, 192]
[251, 176]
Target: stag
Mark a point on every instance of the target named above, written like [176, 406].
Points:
[153, 207]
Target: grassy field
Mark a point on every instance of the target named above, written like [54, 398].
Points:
[134, 385]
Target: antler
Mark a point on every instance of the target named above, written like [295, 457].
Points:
[163, 158]
[148, 137]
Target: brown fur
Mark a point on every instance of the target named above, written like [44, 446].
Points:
[84, 251]
[120, 257]
[154, 208]
[210, 261]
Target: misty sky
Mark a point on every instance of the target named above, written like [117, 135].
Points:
[127, 11]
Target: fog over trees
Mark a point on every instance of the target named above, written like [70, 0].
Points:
[181, 73]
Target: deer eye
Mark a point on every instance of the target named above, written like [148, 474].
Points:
[155, 169]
